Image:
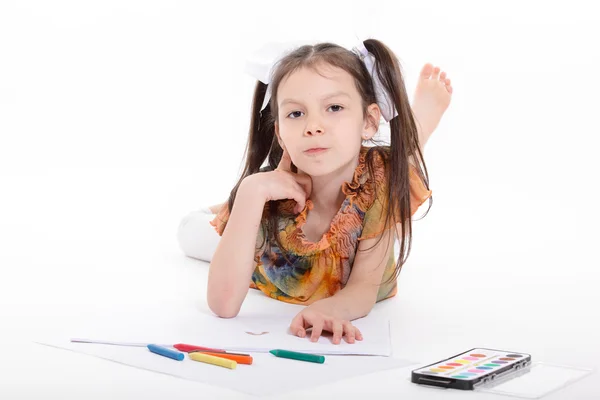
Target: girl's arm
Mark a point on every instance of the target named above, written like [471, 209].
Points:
[355, 300]
[359, 295]
[233, 262]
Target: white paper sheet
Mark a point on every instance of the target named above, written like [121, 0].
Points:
[268, 375]
[168, 327]
[536, 381]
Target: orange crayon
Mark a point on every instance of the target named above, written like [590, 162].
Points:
[240, 359]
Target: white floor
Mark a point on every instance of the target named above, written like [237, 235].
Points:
[70, 251]
[117, 119]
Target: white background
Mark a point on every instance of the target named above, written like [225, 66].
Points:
[117, 118]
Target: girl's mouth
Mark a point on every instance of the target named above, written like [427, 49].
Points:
[316, 150]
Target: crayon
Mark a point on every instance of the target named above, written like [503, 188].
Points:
[190, 347]
[298, 356]
[166, 352]
[205, 358]
[239, 358]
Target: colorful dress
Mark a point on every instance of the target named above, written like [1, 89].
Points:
[317, 270]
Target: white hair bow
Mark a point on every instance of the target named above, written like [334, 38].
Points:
[262, 62]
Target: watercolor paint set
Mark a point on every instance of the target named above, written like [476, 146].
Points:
[500, 372]
[467, 369]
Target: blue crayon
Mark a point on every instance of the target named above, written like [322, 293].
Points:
[163, 351]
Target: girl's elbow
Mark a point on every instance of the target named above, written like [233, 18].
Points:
[225, 313]
[222, 307]
[367, 306]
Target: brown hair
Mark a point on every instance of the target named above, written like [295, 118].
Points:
[263, 143]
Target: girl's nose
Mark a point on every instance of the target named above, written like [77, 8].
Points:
[314, 128]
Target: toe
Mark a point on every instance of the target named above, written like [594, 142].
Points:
[426, 71]
[436, 73]
[443, 76]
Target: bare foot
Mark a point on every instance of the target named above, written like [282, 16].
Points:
[216, 208]
[431, 99]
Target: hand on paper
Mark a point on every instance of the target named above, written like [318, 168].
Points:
[321, 320]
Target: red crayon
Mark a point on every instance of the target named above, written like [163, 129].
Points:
[190, 347]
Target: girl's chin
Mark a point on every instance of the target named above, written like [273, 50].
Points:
[315, 172]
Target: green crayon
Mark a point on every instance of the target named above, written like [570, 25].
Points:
[298, 356]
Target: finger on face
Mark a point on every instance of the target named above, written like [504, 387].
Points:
[305, 181]
[349, 332]
[300, 197]
[337, 329]
[285, 164]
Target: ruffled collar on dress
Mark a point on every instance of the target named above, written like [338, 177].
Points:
[360, 191]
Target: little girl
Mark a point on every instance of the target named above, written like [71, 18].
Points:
[317, 225]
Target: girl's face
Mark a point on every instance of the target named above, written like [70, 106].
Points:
[320, 120]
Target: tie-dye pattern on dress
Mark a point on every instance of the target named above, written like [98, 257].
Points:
[317, 270]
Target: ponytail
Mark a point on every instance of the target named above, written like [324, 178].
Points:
[404, 148]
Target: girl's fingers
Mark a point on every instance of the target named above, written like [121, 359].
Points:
[285, 164]
[317, 323]
[305, 181]
[302, 183]
[349, 331]
[358, 334]
[297, 326]
[338, 331]
[317, 329]
[303, 188]
[297, 193]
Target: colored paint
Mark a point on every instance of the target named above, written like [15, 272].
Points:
[474, 365]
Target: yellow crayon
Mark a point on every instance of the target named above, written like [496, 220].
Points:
[205, 358]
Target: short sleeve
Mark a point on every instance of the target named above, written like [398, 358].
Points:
[374, 220]
[220, 221]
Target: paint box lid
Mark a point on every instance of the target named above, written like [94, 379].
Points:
[533, 381]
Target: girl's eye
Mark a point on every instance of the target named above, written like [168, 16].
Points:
[294, 114]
